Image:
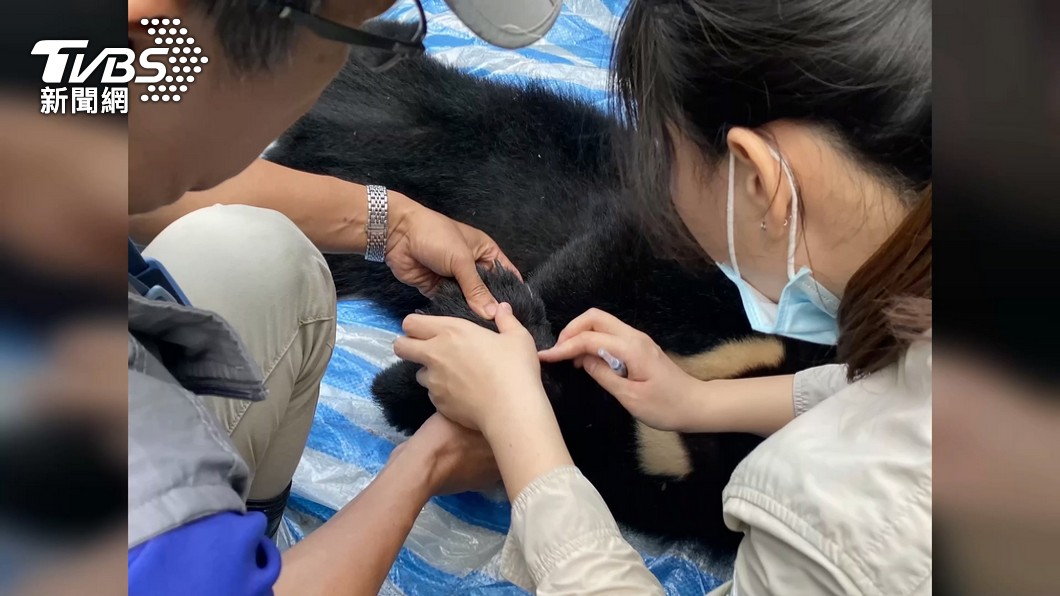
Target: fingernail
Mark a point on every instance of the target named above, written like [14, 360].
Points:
[506, 306]
[419, 312]
[491, 309]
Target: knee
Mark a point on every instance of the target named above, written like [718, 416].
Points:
[252, 234]
[249, 249]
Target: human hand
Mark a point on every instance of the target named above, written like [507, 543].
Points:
[656, 391]
[458, 459]
[473, 375]
[425, 247]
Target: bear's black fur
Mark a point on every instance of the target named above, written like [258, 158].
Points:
[533, 168]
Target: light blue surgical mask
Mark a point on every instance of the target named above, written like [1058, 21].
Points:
[807, 310]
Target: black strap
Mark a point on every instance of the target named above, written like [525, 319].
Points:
[272, 508]
[348, 35]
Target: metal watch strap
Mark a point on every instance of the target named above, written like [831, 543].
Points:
[376, 228]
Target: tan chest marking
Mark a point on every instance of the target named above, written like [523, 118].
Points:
[663, 453]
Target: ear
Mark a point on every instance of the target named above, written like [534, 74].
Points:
[150, 9]
[761, 178]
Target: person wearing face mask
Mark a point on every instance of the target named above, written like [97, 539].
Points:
[231, 314]
[794, 148]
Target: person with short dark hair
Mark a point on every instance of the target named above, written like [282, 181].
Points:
[232, 306]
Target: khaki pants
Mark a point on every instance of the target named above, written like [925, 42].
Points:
[258, 271]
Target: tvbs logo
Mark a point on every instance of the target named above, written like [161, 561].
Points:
[117, 63]
[167, 69]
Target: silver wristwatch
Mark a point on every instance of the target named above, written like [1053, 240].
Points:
[376, 228]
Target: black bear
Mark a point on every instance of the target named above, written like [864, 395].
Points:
[533, 168]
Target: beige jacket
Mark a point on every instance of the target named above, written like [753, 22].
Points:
[563, 540]
[836, 502]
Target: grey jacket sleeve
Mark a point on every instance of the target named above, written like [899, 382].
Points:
[182, 465]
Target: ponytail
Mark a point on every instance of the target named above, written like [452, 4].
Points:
[887, 303]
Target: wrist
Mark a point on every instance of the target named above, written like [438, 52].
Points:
[706, 412]
[398, 219]
[528, 408]
[417, 465]
[353, 227]
[526, 444]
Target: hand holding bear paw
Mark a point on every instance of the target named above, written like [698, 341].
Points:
[475, 376]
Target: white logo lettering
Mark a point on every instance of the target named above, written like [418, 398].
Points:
[167, 69]
[55, 67]
[157, 65]
[80, 76]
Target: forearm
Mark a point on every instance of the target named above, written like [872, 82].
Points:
[759, 405]
[526, 442]
[330, 212]
[353, 552]
[563, 538]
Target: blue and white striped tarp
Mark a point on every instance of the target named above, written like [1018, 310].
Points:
[456, 542]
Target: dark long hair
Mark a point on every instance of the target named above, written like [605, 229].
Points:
[858, 70]
[887, 303]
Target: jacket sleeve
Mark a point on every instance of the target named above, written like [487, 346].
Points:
[225, 554]
[774, 556]
[564, 540]
[813, 385]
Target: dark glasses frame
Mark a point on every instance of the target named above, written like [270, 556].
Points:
[333, 31]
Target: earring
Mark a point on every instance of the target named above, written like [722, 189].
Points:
[762, 226]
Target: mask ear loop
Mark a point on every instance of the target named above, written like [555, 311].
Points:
[729, 221]
[794, 217]
[794, 210]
